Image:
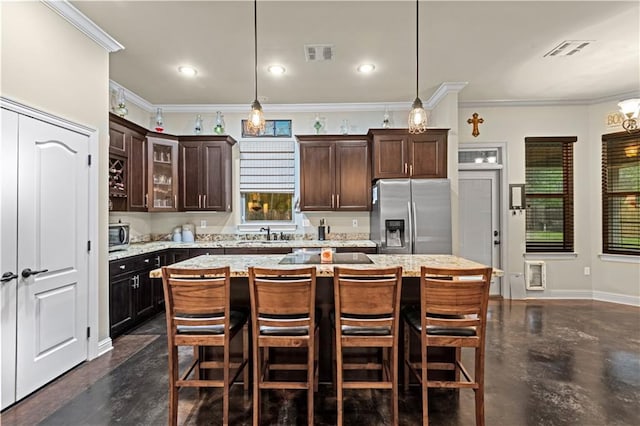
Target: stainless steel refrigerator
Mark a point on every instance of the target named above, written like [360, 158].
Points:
[411, 216]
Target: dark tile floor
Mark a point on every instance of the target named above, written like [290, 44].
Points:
[548, 363]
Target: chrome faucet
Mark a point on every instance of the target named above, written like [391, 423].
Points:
[268, 229]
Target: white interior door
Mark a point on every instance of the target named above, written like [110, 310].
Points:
[53, 211]
[8, 254]
[479, 207]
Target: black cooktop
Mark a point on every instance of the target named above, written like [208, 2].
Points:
[307, 258]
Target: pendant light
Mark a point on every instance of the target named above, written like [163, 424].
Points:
[256, 123]
[417, 116]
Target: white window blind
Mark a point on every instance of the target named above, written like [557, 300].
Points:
[267, 166]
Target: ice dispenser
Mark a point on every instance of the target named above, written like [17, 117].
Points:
[394, 233]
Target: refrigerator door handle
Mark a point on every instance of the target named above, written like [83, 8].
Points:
[410, 226]
[414, 218]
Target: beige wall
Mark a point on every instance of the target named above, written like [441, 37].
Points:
[49, 65]
[565, 277]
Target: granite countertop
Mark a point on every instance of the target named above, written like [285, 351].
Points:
[144, 248]
[410, 263]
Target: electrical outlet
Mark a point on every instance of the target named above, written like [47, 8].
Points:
[203, 224]
[306, 222]
[587, 270]
[354, 223]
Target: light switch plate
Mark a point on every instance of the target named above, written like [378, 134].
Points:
[203, 224]
[354, 223]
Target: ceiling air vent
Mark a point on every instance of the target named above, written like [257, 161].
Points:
[318, 52]
[568, 48]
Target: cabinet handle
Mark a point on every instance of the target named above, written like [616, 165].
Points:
[147, 260]
[146, 200]
[175, 201]
[122, 267]
[405, 168]
[411, 170]
[204, 201]
[199, 200]
[157, 261]
[338, 201]
[331, 200]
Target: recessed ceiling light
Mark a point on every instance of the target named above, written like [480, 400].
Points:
[188, 71]
[276, 69]
[366, 68]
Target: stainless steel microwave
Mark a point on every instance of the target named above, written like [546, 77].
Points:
[118, 236]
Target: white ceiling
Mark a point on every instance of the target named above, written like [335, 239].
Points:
[497, 47]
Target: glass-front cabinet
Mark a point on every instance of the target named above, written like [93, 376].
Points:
[163, 174]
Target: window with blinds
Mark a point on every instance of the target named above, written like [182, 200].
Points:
[549, 193]
[267, 179]
[621, 194]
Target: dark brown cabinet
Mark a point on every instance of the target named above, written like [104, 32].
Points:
[335, 173]
[127, 165]
[132, 293]
[398, 154]
[205, 173]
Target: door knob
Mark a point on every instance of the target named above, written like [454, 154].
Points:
[8, 276]
[26, 273]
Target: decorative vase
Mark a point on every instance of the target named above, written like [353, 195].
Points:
[198, 126]
[219, 128]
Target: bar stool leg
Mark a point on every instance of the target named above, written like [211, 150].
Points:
[245, 356]
[256, 385]
[311, 355]
[425, 388]
[407, 357]
[225, 379]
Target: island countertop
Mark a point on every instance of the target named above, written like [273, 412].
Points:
[410, 263]
[150, 247]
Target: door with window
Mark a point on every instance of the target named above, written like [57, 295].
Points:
[479, 213]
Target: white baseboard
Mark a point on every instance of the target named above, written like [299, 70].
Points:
[624, 299]
[601, 296]
[104, 346]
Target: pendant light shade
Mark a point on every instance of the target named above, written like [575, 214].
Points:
[256, 122]
[417, 116]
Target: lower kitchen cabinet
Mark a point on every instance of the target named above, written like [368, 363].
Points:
[133, 295]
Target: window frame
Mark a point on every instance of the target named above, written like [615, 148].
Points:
[623, 140]
[567, 196]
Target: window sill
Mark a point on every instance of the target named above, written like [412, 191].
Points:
[550, 256]
[622, 258]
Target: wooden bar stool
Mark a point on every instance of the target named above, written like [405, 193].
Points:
[283, 315]
[452, 313]
[198, 315]
[367, 305]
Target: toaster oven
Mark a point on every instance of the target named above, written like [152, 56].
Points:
[118, 236]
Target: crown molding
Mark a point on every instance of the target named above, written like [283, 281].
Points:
[84, 24]
[546, 102]
[443, 90]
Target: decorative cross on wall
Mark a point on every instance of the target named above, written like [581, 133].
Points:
[475, 120]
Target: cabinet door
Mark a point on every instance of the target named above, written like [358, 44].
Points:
[158, 291]
[216, 193]
[317, 163]
[121, 313]
[117, 139]
[190, 170]
[390, 156]
[137, 174]
[144, 301]
[428, 152]
[353, 176]
[163, 175]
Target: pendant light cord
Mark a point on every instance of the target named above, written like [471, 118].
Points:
[255, 45]
[417, 50]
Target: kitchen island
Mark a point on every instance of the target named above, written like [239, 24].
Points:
[239, 265]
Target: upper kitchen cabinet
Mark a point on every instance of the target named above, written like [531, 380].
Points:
[335, 173]
[205, 173]
[398, 154]
[122, 133]
[162, 158]
[127, 172]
